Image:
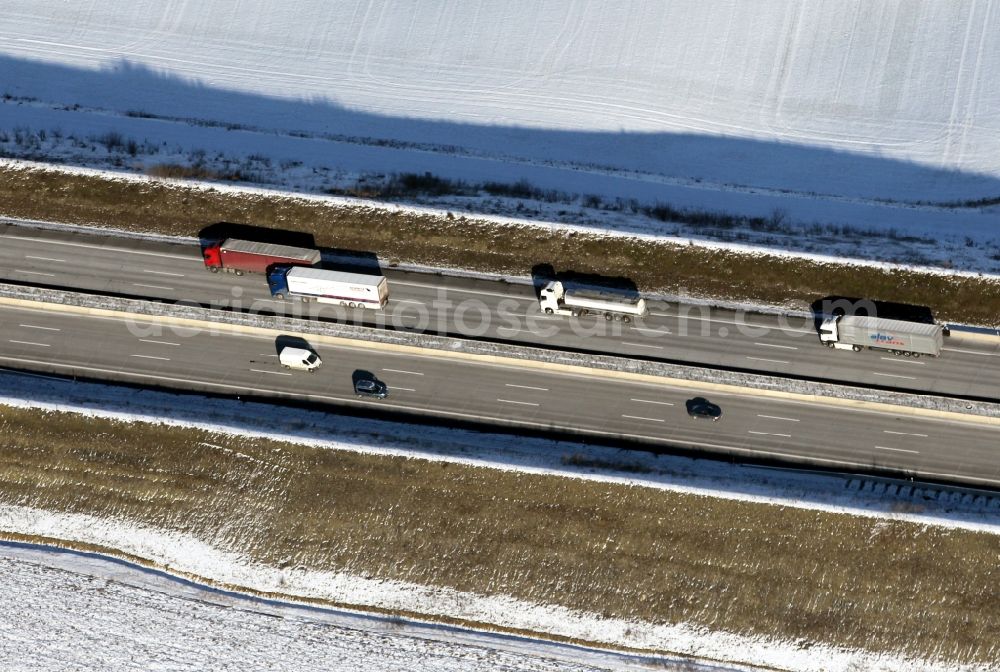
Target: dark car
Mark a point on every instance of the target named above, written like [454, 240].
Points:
[374, 389]
[700, 407]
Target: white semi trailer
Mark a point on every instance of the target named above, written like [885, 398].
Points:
[559, 299]
[910, 339]
[356, 290]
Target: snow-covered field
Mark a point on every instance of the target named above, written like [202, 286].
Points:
[852, 129]
[67, 611]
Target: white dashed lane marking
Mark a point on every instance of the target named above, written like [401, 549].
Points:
[40, 345]
[636, 417]
[520, 403]
[898, 450]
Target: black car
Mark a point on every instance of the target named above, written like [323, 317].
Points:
[700, 407]
[374, 389]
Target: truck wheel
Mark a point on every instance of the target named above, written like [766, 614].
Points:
[279, 296]
[907, 353]
[626, 319]
[214, 269]
[608, 316]
[238, 272]
[286, 366]
[914, 354]
[857, 348]
[548, 311]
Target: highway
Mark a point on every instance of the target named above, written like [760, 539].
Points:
[433, 384]
[479, 308]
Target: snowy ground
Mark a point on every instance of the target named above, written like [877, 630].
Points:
[850, 131]
[71, 611]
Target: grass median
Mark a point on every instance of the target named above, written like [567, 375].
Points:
[624, 551]
[489, 247]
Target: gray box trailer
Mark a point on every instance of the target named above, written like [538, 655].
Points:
[910, 339]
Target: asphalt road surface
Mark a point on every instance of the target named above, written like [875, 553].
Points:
[501, 310]
[825, 433]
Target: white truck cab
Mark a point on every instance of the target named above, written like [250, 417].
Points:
[551, 298]
[299, 358]
[829, 335]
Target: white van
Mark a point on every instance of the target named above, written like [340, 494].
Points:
[299, 358]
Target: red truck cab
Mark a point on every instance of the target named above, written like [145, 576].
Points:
[212, 254]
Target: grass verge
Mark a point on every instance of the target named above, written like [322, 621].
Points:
[459, 241]
[623, 551]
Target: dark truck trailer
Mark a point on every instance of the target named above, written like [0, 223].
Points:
[244, 256]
